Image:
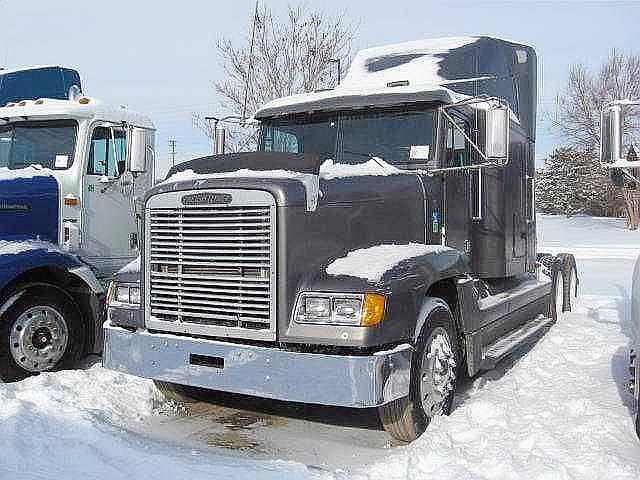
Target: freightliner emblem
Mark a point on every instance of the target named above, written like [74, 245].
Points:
[206, 198]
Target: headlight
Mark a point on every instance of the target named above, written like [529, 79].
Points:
[359, 309]
[123, 293]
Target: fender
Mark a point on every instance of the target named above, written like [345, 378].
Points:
[405, 285]
[18, 257]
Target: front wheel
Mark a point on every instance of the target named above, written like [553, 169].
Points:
[434, 375]
[40, 331]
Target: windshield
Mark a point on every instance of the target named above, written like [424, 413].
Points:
[49, 144]
[353, 137]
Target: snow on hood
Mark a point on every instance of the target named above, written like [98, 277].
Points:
[131, 267]
[309, 181]
[328, 170]
[9, 247]
[28, 172]
[417, 61]
[373, 167]
[373, 262]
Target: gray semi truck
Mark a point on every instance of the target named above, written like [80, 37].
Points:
[379, 245]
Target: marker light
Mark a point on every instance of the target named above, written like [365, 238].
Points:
[84, 101]
[372, 309]
[71, 201]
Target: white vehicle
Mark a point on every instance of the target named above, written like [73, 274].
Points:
[611, 154]
[71, 172]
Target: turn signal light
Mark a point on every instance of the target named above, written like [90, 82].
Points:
[71, 201]
[84, 101]
[372, 309]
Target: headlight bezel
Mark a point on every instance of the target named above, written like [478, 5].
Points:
[361, 305]
[124, 294]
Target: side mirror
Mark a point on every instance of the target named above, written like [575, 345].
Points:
[137, 150]
[497, 134]
[611, 134]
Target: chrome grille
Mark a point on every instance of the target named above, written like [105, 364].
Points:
[210, 268]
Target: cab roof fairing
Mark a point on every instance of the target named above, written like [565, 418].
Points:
[440, 70]
[61, 109]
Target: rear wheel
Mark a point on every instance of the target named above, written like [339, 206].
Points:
[638, 416]
[41, 331]
[434, 375]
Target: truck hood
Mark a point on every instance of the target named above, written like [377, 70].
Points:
[29, 204]
[293, 179]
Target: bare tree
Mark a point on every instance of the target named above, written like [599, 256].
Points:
[577, 116]
[281, 56]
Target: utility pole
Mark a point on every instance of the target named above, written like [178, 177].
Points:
[172, 152]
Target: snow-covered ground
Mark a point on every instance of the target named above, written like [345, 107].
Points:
[559, 409]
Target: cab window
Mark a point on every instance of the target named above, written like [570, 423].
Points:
[457, 152]
[107, 152]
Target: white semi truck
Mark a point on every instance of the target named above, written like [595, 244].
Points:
[623, 168]
[71, 172]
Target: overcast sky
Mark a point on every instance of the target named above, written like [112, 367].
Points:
[159, 57]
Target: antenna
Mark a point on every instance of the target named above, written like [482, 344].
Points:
[172, 153]
[250, 67]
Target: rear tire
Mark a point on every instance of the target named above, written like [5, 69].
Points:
[638, 416]
[557, 298]
[41, 331]
[571, 282]
[435, 369]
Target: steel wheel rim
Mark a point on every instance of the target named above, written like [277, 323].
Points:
[559, 294]
[437, 372]
[38, 338]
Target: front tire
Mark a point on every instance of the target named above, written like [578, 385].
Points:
[435, 369]
[41, 331]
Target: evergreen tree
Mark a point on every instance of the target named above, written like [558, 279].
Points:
[574, 182]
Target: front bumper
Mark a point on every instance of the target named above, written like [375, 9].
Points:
[338, 380]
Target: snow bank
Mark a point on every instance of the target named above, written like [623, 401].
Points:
[374, 167]
[81, 424]
[309, 181]
[373, 262]
[131, 267]
[28, 172]
[561, 412]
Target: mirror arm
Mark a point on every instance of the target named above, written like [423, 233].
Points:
[464, 134]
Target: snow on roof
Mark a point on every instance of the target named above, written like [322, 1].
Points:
[417, 61]
[51, 108]
[27, 172]
[31, 67]
[374, 68]
[623, 163]
[373, 262]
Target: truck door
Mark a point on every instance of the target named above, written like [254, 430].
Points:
[109, 232]
[456, 186]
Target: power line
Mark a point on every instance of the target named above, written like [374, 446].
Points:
[172, 146]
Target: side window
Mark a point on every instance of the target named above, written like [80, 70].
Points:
[456, 147]
[280, 141]
[107, 152]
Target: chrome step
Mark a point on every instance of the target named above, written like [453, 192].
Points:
[506, 345]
